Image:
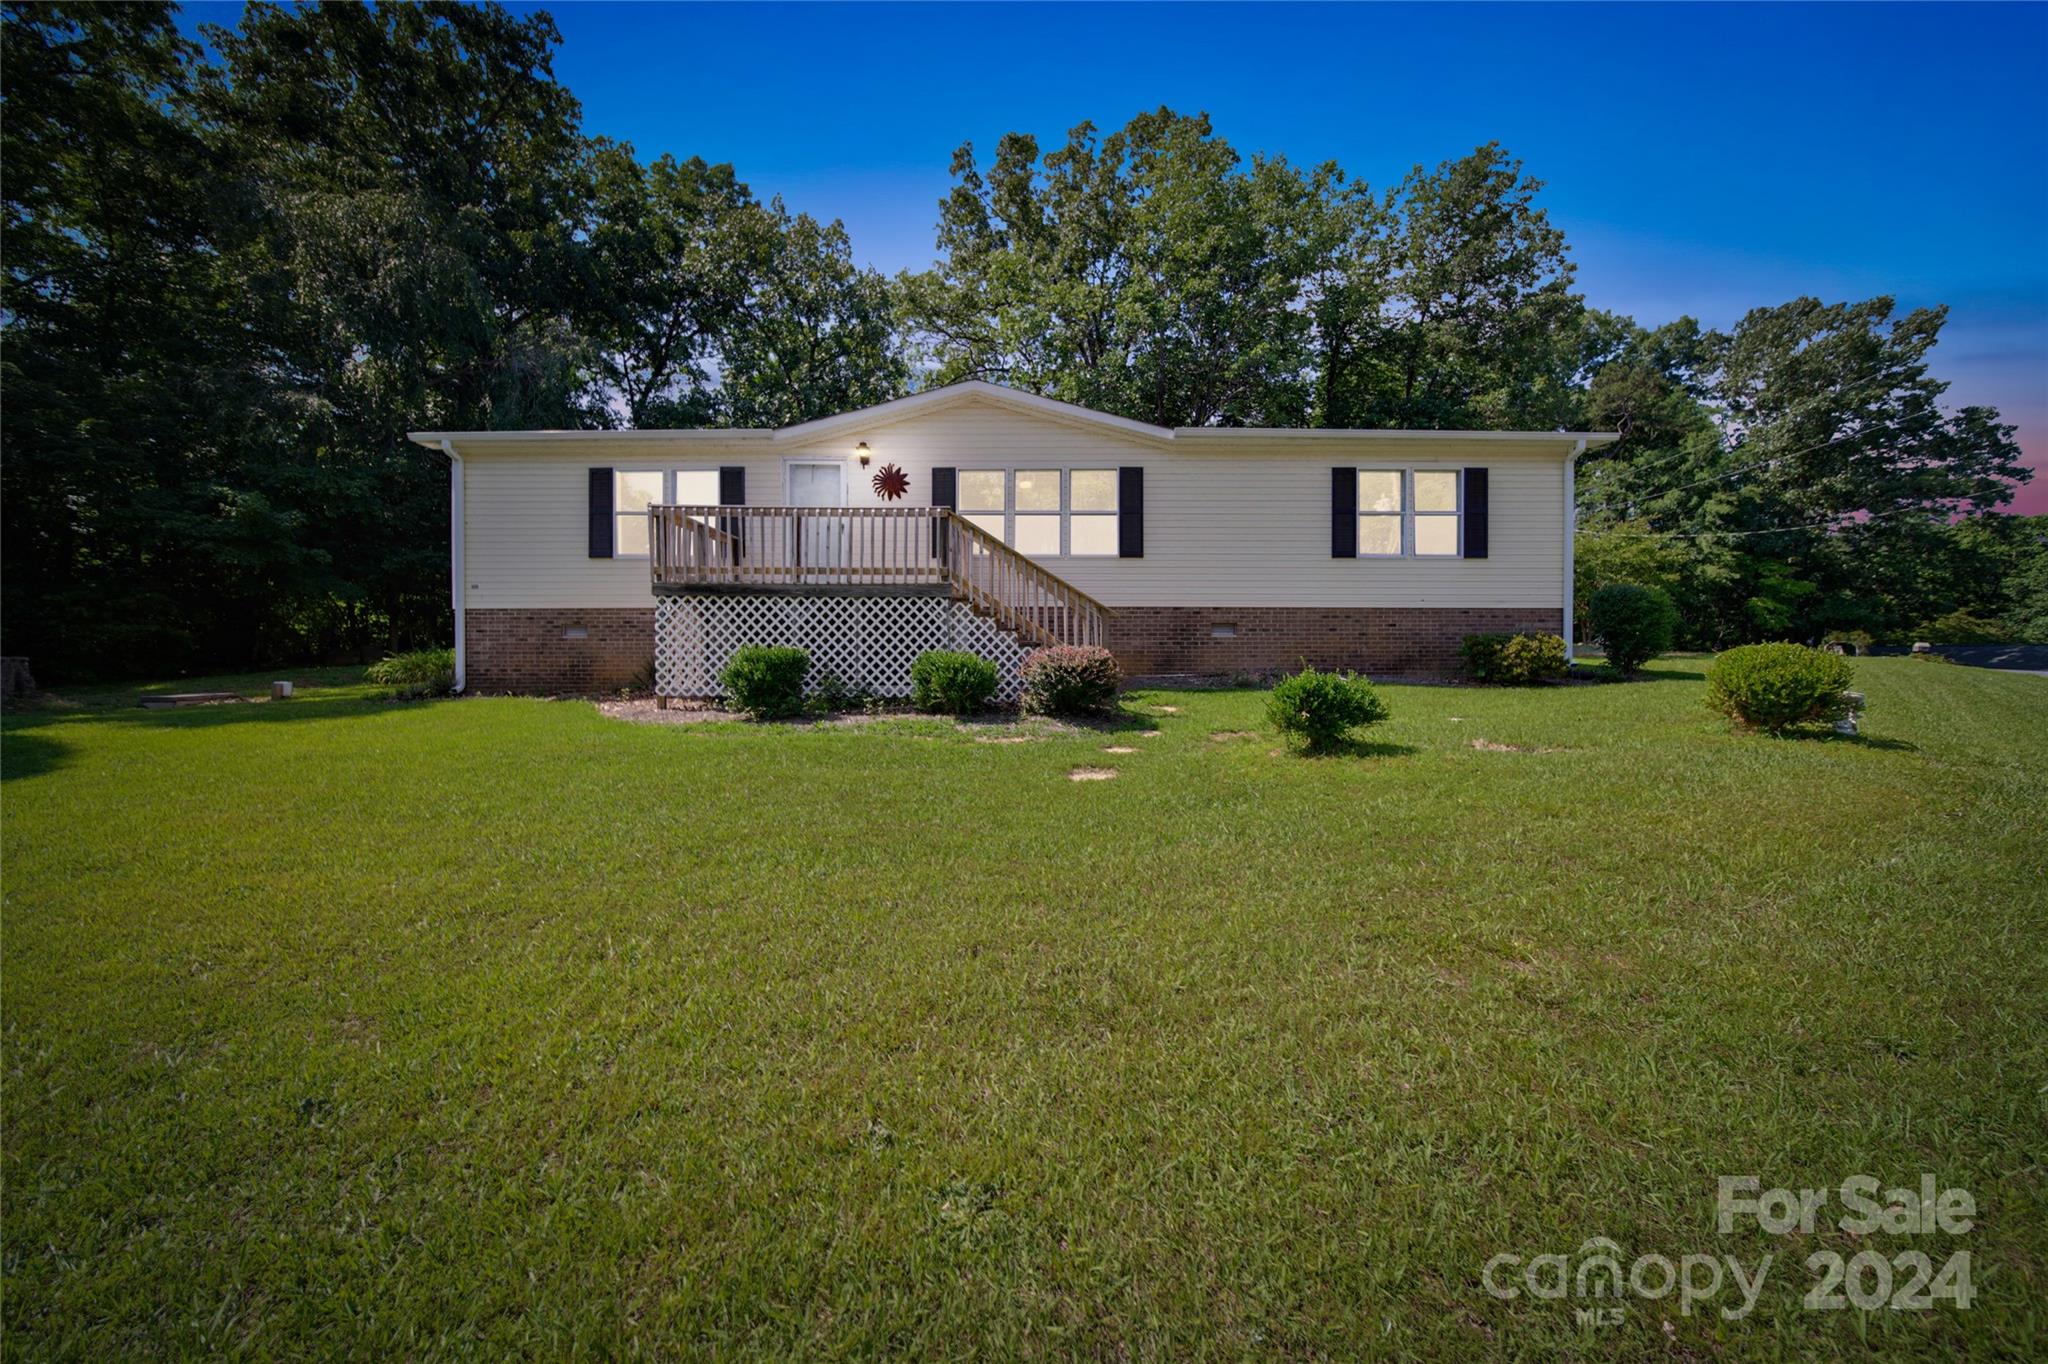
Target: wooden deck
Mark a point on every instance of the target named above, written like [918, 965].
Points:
[868, 550]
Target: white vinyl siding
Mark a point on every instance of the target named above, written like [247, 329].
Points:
[1228, 521]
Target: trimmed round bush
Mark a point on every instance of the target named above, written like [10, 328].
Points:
[945, 681]
[1514, 660]
[1633, 623]
[1772, 687]
[1071, 679]
[1319, 709]
[766, 682]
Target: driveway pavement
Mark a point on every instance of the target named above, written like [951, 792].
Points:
[2024, 658]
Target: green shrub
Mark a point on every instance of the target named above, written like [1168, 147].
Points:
[1320, 709]
[1849, 641]
[420, 672]
[947, 682]
[1071, 679]
[1514, 660]
[1633, 623]
[1775, 686]
[765, 681]
[831, 693]
[1961, 627]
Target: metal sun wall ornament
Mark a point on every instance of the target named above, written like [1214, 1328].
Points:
[891, 483]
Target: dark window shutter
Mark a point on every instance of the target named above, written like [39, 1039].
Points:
[732, 492]
[1130, 513]
[1344, 513]
[601, 526]
[1475, 513]
[945, 493]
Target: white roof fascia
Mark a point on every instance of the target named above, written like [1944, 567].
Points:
[972, 390]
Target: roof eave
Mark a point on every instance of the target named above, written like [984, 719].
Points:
[970, 390]
[693, 435]
[1298, 433]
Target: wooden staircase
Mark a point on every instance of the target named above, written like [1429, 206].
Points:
[852, 551]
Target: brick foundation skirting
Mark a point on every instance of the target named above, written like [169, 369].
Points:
[1380, 641]
[530, 649]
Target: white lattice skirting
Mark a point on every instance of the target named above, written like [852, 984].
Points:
[866, 642]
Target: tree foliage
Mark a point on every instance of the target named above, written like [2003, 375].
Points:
[232, 288]
[232, 285]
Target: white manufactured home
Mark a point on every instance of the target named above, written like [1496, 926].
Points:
[977, 517]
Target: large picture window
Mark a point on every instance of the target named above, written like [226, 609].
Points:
[1408, 512]
[1044, 512]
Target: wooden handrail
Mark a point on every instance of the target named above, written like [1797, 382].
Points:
[794, 547]
[1019, 592]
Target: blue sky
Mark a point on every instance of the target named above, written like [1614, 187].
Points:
[1701, 159]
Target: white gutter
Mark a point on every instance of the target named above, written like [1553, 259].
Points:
[455, 557]
[1571, 526]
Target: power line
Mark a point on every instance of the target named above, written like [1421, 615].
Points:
[1834, 521]
[1747, 468]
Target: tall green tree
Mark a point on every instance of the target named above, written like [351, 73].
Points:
[1481, 326]
[1808, 464]
[128, 514]
[1150, 272]
[815, 335]
[677, 250]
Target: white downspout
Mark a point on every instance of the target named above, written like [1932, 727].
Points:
[1571, 526]
[455, 557]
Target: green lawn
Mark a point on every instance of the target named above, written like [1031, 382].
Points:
[498, 1027]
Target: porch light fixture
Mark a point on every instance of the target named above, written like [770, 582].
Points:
[863, 452]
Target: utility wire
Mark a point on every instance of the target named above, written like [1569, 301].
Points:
[1731, 473]
[1766, 530]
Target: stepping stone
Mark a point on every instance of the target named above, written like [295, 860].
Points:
[1119, 748]
[1091, 774]
[187, 698]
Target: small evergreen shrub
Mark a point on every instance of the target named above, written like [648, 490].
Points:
[766, 682]
[1775, 686]
[1071, 679]
[1514, 660]
[946, 682]
[1319, 709]
[419, 672]
[1633, 623]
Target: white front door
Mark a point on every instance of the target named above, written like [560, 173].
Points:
[822, 541]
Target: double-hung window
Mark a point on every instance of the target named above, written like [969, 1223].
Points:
[1435, 533]
[1408, 512]
[1091, 512]
[1382, 500]
[1038, 512]
[984, 497]
[1044, 512]
[635, 490]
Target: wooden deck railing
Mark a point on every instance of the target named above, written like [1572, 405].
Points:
[792, 548]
